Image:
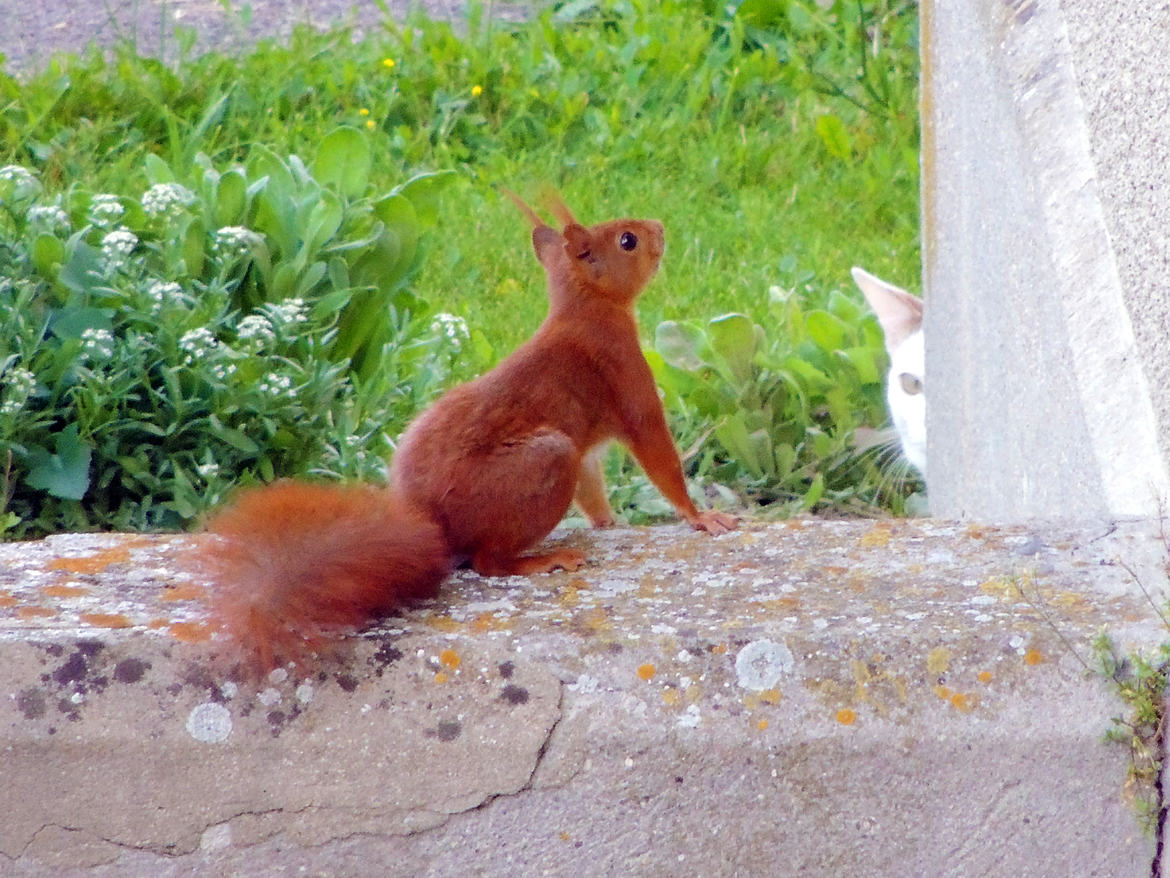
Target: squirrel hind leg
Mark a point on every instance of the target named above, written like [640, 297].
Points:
[509, 499]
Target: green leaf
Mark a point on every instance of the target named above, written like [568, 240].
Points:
[231, 198]
[826, 330]
[833, 134]
[678, 343]
[157, 171]
[423, 191]
[72, 322]
[64, 474]
[343, 162]
[47, 254]
[733, 337]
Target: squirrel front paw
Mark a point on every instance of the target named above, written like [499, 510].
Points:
[714, 522]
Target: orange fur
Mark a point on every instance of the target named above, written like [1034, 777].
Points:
[482, 476]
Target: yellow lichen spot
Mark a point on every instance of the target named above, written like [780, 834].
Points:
[962, 702]
[65, 591]
[442, 623]
[719, 649]
[388, 63]
[671, 697]
[942, 692]
[448, 658]
[565, 836]
[94, 563]
[35, 612]
[762, 724]
[476, 90]
[441, 677]
[846, 717]
[938, 660]
[484, 622]
[106, 620]
[770, 696]
[189, 592]
[985, 677]
[646, 672]
[877, 537]
[1033, 657]
[189, 632]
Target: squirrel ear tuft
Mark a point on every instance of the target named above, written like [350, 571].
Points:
[577, 242]
[558, 208]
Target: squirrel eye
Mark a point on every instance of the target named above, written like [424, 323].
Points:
[628, 241]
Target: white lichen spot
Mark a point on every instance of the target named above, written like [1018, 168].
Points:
[209, 723]
[269, 697]
[216, 838]
[277, 676]
[229, 689]
[690, 718]
[762, 663]
[305, 692]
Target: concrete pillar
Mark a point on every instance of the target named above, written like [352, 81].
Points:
[1046, 256]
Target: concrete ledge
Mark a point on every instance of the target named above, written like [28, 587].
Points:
[812, 698]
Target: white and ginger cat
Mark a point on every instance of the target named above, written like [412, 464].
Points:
[900, 316]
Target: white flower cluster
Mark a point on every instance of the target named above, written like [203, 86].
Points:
[97, 342]
[105, 210]
[220, 371]
[166, 200]
[117, 247]
[453, 329]
[17, 174]
[198, 343]
[257, 329]
[275, 384]
[291, 311]
[233, 241]
[160, 291]
[18, 182]
[49, 217]
[18, 386]
[207, 471]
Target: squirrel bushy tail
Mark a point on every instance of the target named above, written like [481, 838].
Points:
[294, 563]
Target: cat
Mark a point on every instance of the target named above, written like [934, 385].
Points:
[900, 315]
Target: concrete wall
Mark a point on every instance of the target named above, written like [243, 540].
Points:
[1046, 218]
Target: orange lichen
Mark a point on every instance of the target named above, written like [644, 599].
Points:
[720, 648]
[671, 697]
[646, 672]
[35, 612]
[846, 717]
[1033, 657]
[106, 620]
[7, 600]
[158, 624]
[189, 592]
[65, 591]
[448, 658]
[963, 702]
[441, 677]
[762, 724]
[985, 677]
[189, 632]
[94, 563]
[942, 692]
[488, 621]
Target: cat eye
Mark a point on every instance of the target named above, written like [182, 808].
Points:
[911, 384]
[628, 241]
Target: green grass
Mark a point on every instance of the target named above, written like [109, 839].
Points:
[776, 141]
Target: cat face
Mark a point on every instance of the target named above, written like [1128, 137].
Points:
[900, 316]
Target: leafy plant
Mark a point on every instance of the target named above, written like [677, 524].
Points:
[253, 323]
[777, 408]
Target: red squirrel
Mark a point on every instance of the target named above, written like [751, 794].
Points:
[480, 477]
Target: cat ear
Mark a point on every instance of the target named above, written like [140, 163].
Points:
[898, 312]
